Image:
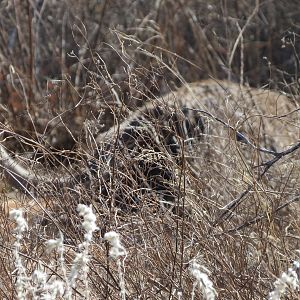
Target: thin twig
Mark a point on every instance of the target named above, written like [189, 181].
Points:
[239, 136]
[259, 218]
[231, 206]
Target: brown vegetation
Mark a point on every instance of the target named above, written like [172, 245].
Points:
[82, 69]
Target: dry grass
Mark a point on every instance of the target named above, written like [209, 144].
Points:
[70, 70]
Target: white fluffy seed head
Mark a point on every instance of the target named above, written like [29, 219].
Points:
[17, 216]
[287, 279]
[89, 219]
[54, 244]
[117, 249]
[202, 279]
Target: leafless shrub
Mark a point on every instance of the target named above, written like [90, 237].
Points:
[72, 72]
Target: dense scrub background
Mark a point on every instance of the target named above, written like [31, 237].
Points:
[65, 62]
[53, 53]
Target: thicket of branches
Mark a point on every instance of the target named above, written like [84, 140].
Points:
[53, 53]
[69, 70]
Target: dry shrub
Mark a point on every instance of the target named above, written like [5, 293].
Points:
[83, 66]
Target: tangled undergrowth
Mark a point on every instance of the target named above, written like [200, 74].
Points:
[83, 68]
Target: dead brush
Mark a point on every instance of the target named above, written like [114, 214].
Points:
[232, 189]
[236, 187]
